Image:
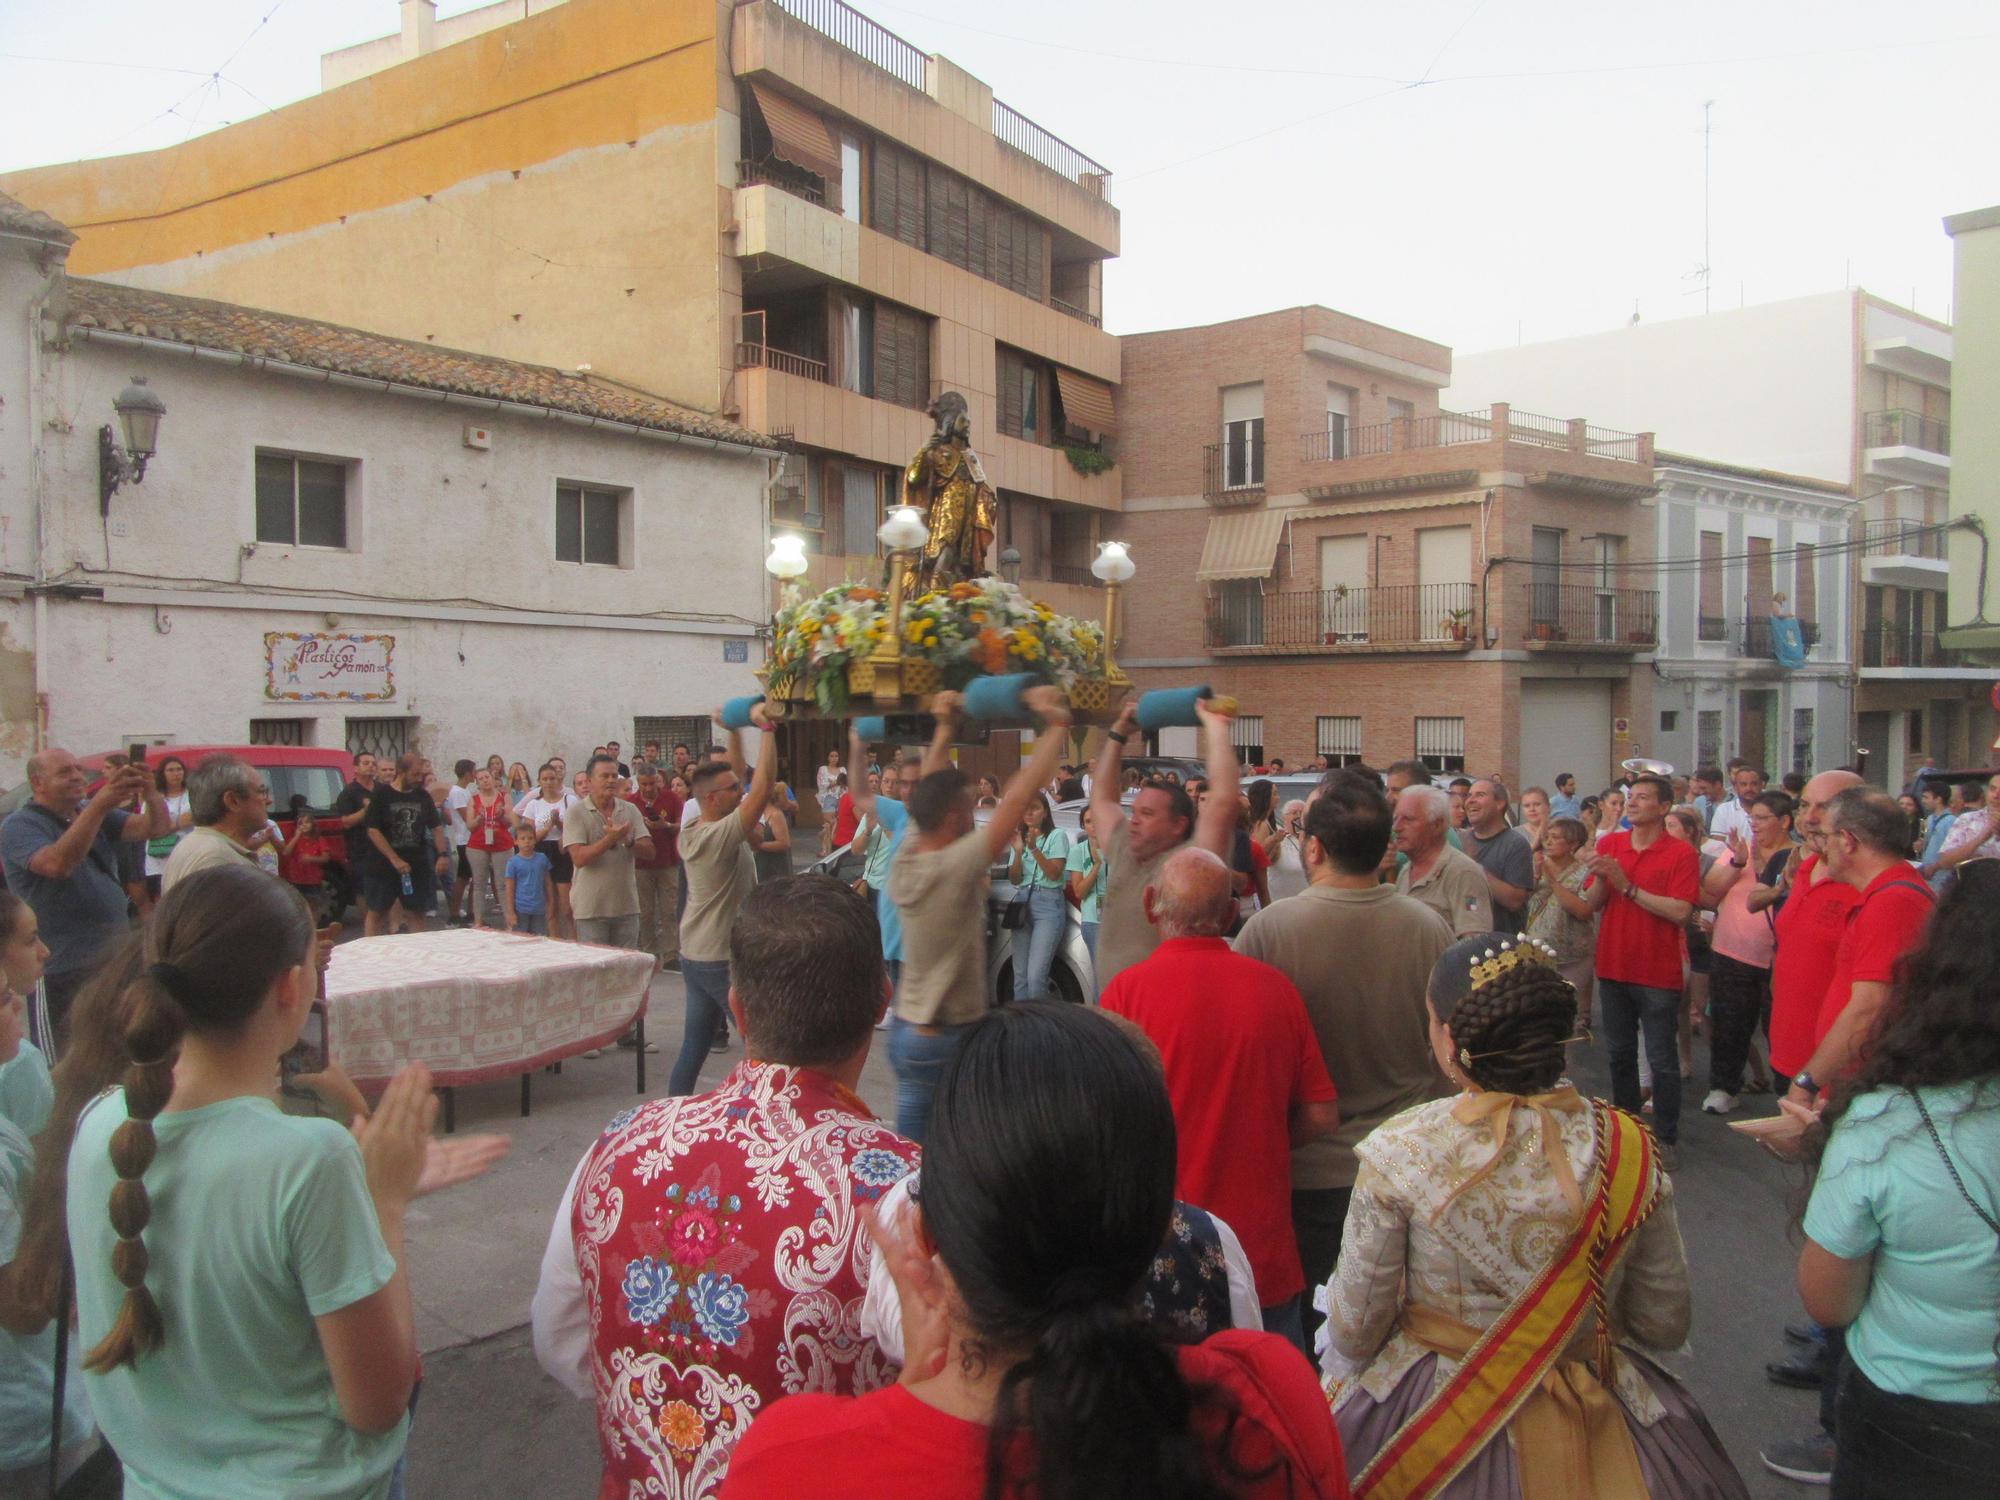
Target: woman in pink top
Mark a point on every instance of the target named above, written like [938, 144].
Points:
[1743, 890]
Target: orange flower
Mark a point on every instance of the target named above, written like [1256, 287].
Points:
[964, 590]
[993, 649]
[681, 1426]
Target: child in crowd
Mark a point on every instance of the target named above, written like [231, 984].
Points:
[527, 894]
[304, 861]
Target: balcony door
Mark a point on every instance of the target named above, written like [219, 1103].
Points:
[1545, 576]
[1444, 580]
[1343, 585]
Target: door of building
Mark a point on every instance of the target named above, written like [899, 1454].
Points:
[1565, 726]
[1872, 732]
[1444, 576]
[1757, 712]
[1343, 583]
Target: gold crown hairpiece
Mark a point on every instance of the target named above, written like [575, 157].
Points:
[1512, 955]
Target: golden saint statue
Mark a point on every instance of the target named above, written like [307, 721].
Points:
[946, 482]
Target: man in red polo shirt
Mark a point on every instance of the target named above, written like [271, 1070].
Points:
[1243, 1068]
[1809, 925]
[1867, 847]
[1645, 884]
[659, 873]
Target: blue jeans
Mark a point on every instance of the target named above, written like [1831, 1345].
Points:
[1286, 1319]
[1090, 940]
[1035, 944]
[1629, 1010]
[707, 985]
[918, 1059]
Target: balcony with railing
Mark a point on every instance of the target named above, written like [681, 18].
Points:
[1584, 617]
[1070, 309]
[1906, 446]
[783, 176]
[1403, 617]
[1230, 477]
[1373, 452]
[1897, 647]
[1757, 640]
[1908, 554]
[764, 357]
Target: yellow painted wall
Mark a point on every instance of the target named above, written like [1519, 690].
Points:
[1975, 428]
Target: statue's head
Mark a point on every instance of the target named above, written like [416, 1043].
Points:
[948, 410]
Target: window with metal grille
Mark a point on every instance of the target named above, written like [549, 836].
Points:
[1670, 720]
[1441, 744]
[301, 502]
[1802, 740]
[1246, 733]
[278, 731]
[1708, 737]
[385, 739]
[1339, 739]
[588, 522]
[693, 730]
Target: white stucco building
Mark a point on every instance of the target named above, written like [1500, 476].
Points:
[352, 540]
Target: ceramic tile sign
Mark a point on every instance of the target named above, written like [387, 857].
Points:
[328, 668]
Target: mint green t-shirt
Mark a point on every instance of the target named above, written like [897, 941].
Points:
[1081, 862]
[1928, 1325]
[28, 1365]
[1054, 845]
[26, 1092]
[260, 1222]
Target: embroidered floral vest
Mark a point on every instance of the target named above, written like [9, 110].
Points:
[724, 1265]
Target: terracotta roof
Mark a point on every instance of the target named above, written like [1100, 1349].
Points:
[252, 331]
[17, 218]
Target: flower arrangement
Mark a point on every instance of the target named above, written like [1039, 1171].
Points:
[987, 626]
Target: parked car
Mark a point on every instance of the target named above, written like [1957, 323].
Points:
[1072, 975]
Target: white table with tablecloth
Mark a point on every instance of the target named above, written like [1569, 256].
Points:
[477, 1004]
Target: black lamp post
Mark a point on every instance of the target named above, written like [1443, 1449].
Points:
[139, 412]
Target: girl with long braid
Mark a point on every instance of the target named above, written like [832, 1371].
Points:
[1505, 1249]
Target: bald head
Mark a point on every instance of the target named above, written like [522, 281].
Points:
[1821, 790]
[1194, 895]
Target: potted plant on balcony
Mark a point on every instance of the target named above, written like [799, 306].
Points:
[1458, 623]
[1333, 596]
[1542, 630]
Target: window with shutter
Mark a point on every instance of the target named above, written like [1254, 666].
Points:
[1007, 382]
[897, 194]
[902, 356]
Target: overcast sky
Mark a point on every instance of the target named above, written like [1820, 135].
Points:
[1478, 172]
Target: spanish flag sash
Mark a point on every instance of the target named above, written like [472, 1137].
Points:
[1505, 1367]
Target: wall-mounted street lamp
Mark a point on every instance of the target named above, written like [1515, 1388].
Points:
[1010, 564]
[139, 412]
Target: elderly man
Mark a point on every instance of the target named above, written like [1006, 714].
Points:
[229, 802]
[1360, 954]
[59, 854]
[1243, 1068]
[1503, 852]
[1448, 882]
[706, 1258]
[1160, 820]
[1809, 925]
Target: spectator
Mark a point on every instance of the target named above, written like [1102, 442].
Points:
[771, 839]
[1646, 885]
[1913, 811]
[1975, 834]
[989, 786]
[1086, 883]
[1359, 953]
[1039, 869]
[1559, 914]
[713, 1241]
[24, 1082]
[887, 818]
[1938, 820]
[349, 816]
[1536, 810]
[456, 799]
[1502, 852]
[1287, 875]
[544, 812]
[939, 885]
[305, 860]
[1684, 823]
[411, 851]
[1161, 819]
[131, 856]
[1794, 783]
[1448, 882]
[1047, 1191]
[230, 802]
[60, 855]
[1742, 889]
[1810, 923]
[1459, 790]
[170, 776]
[1243, 1070]
[1611, 813]
[659, 874]
[845, 818]
[520, 785]
[526, 885]
[489, 824]
[1733, 815]
[1709, 791]
[244, 1301]
[1565, 804]
[1900, 1232]
[604, 835]
[826, 784]
[1590, 814]
[613, 749]
[496, 765]
[718, 874]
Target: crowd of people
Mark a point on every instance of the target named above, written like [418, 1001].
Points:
[1306, 1204]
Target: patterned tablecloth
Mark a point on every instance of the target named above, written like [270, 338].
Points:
[475, 1004]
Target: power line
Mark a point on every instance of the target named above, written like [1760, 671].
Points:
[1698, 563]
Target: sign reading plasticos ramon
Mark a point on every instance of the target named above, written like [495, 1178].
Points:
[328, 668]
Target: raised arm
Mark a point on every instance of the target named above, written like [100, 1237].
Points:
[751, 809]
[1107, 777]
[948, 708]
[859, 793]
[1215, 829]
[1027, 782]
[58, 861]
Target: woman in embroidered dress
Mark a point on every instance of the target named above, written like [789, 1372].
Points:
[1481, 1211]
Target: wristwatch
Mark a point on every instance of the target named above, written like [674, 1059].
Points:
[1112, 734]
[1804, 1080]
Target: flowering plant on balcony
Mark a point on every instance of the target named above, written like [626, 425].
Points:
[985, 626]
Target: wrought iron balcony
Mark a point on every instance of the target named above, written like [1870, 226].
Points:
[1397, 618]
[1757, 641]
[1561, 616]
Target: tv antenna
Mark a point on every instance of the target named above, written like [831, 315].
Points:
[1707, 183]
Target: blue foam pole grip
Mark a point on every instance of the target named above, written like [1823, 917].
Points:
[871, 729]
[1170, 708]
[997, 697]
[736, 712]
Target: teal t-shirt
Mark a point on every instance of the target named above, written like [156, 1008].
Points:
[28, 1365]
[1054, 845]
[1082, 862]
[26, 1092]
[1933, 1307]
[885, 838]
[260, 1222]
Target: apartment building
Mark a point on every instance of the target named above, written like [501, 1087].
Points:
[1842, 388]
[1738, 545]
[1974, 623]
[1372, 576]
[774, 212]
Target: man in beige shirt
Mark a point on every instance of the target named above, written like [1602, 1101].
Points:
[605, 835]
[229, 802]
[1448, 882]
[1138, 839]
[1360, 954]
[720, 872]
[938, 883]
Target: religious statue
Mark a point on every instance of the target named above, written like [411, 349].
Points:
[946, 482]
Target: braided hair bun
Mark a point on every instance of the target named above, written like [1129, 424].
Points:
[1510, 1012]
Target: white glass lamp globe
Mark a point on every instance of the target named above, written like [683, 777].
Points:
[788, 556]
[1113, 563]
[904, 530]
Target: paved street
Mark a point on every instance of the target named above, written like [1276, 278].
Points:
[490, 1423]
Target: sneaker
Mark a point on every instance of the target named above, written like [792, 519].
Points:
[1802, 1371]
[1670, 1157]
[1809, 1460]
[1718, 1103]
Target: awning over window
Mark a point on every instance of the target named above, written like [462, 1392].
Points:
[800, 136]
[1086, 402]
[1244, 545]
